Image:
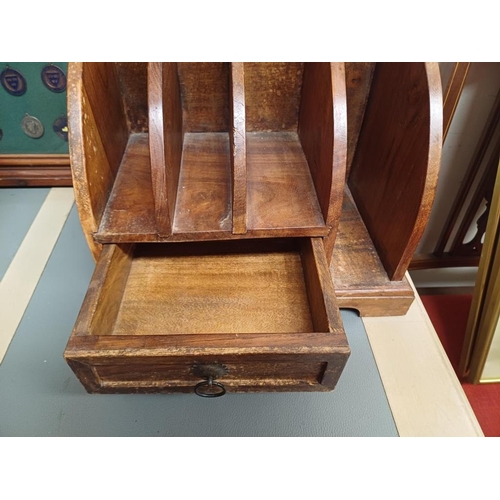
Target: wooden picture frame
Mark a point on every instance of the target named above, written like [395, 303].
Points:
[484, 315]
[35, 170]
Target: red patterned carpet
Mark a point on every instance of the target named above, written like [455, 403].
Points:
[449, 314]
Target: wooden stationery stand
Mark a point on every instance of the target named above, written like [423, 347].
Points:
[213, 197]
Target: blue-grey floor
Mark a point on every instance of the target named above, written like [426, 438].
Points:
[18, 209]
[40, 396]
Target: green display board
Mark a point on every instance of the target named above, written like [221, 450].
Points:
[37, 101]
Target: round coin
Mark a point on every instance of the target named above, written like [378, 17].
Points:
[32, 126]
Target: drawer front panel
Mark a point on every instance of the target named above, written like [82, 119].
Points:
[157, 374]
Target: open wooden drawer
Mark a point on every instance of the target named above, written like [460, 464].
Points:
[245, 315]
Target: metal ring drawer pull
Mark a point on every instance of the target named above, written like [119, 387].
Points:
[210, 389]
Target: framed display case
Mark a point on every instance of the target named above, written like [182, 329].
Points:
[33, 124]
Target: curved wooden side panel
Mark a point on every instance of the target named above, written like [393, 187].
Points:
[396, 164]
[87, 210]
[98, 135]
[323, 134]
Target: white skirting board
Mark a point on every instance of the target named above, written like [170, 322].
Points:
[444, 277]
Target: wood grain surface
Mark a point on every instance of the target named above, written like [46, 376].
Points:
[280, 188]
[189, 98]
[261, 293]
[35, 170]
[322, 301]
[238, 149]
[395, 168]
[92, 173]
[204, 191]
[322, 130]
[287, 175]
[162, 373]
[157, 148]
[205, 306]
[163, 364]
[102, 90]
[97, 348]
[272, 92]
[358, 77]
[133, 79]
[252, 287]
[359, 277]
[130, 212]
[204, 89]
[167, 112]
[315, 129]
[130, 217]
[173, 133]
[431, 261]
[114, 267]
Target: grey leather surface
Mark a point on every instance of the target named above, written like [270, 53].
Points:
[40, 396]
[18, 209]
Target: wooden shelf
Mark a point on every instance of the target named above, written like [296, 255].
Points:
[360, 279]
[203, 199]
[130, 215]
[204, 191]
[281, 192]
[208, 151]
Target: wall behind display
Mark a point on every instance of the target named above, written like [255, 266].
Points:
[38, 101]
[476, 102]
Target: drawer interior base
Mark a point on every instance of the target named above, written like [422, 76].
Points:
[240, 293]
[208, 288]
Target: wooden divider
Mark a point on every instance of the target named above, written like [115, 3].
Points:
[238, 149]
[395, 167]
[322, 128]
[165, 140]
[157, 147]
[231, 150]
[189, 147]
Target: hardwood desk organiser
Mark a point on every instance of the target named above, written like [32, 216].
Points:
[214, 198]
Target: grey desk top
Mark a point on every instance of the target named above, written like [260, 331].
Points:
[40, 396]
